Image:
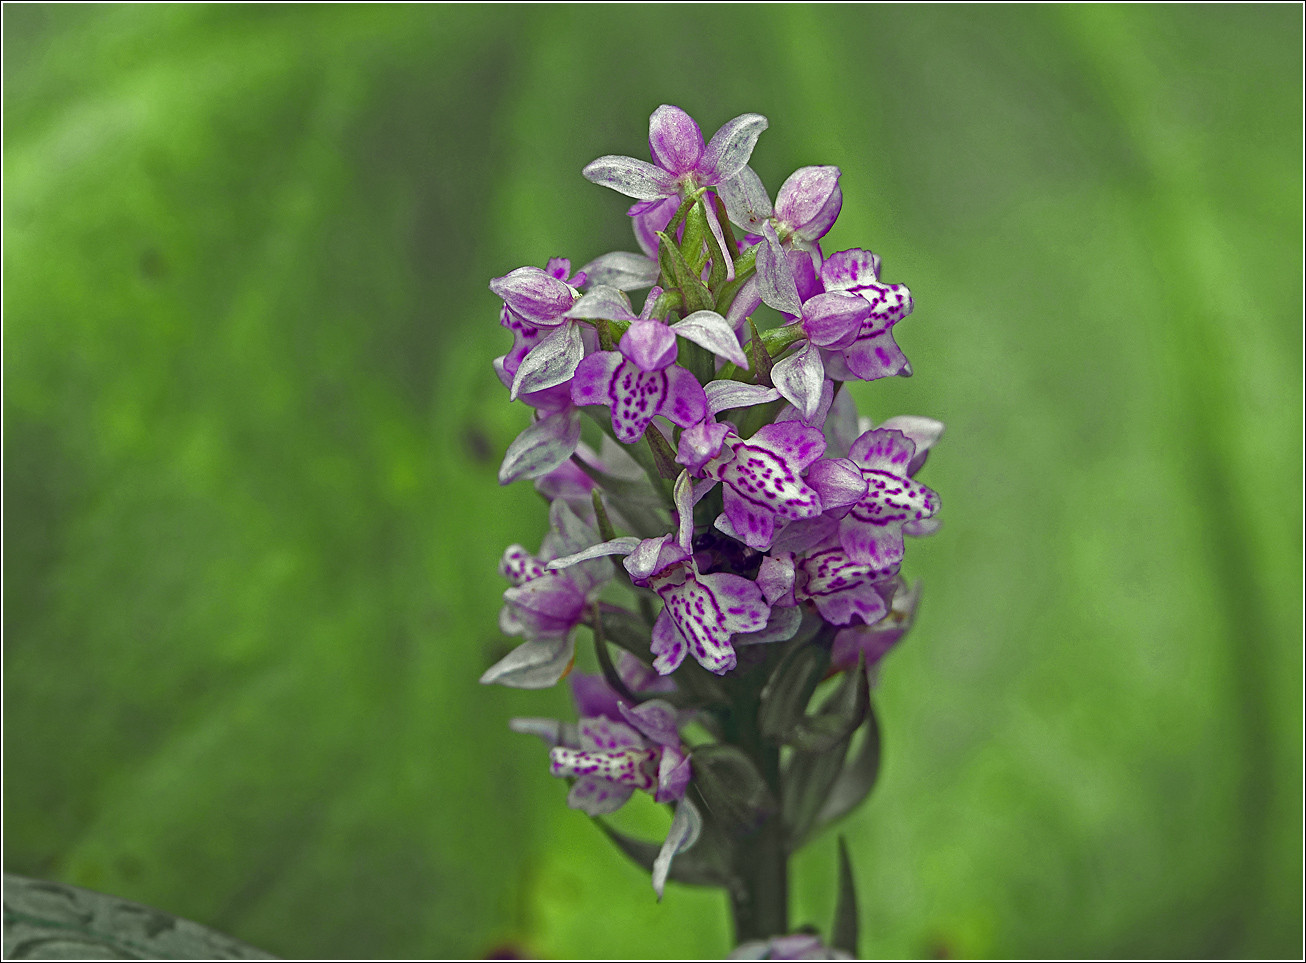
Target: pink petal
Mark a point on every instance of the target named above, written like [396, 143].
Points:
[674, 140]
[809, 201]
[683, 401]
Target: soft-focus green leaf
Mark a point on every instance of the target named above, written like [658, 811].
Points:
[844, 932]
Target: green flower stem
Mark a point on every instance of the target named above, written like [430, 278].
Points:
[760, 904]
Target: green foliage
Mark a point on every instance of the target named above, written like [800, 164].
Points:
[251, 433]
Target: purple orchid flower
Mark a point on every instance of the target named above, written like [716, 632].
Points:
[762, 481]
[682, 164]
[700, 612]
[870, 352]
[806, 208]
[873, 641]
[872, 530]
[808, 564]
[547, 345]
[616, 749]
[546, 605]
[640, 381]
[681, 161]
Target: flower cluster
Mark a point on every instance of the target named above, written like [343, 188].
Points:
[758, 507]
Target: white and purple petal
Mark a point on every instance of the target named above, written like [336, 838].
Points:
[622, 545]
[634, 178]
[850, 270]
[674, 773]
[685, 828]
[747, 203]
[535, 664]
[923, 432]
[649, 344]
[597, 797]
[684, 402]
[631, 766]
[551, 362]
[535, 295]
[725, 394]
[710, 330]
[602, 301]
[775, 278]
[730, 148]
[656, 719]
[542, 447]
[700, 443]
[669, 646]
[841, 588]
[839, 482]
[800, 378]
[834, 319]
[775, 578]
[622, 270]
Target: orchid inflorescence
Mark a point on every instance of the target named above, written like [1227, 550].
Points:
[765, 518]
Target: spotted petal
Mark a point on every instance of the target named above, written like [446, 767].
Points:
[842, 588]
[923, 432]
[763, 481]
[631, 766]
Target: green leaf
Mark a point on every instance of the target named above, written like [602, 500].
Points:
[844, 932]
[857, 778]
[759, 355]
[664, 456]
[706, 863]
[610, 674]
[696, 295]
[45, 921]
[735, 795]
[805, 786]
[629, 631]
[838, 717]
[786, 694]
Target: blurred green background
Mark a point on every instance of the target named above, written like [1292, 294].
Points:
[251, 523]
